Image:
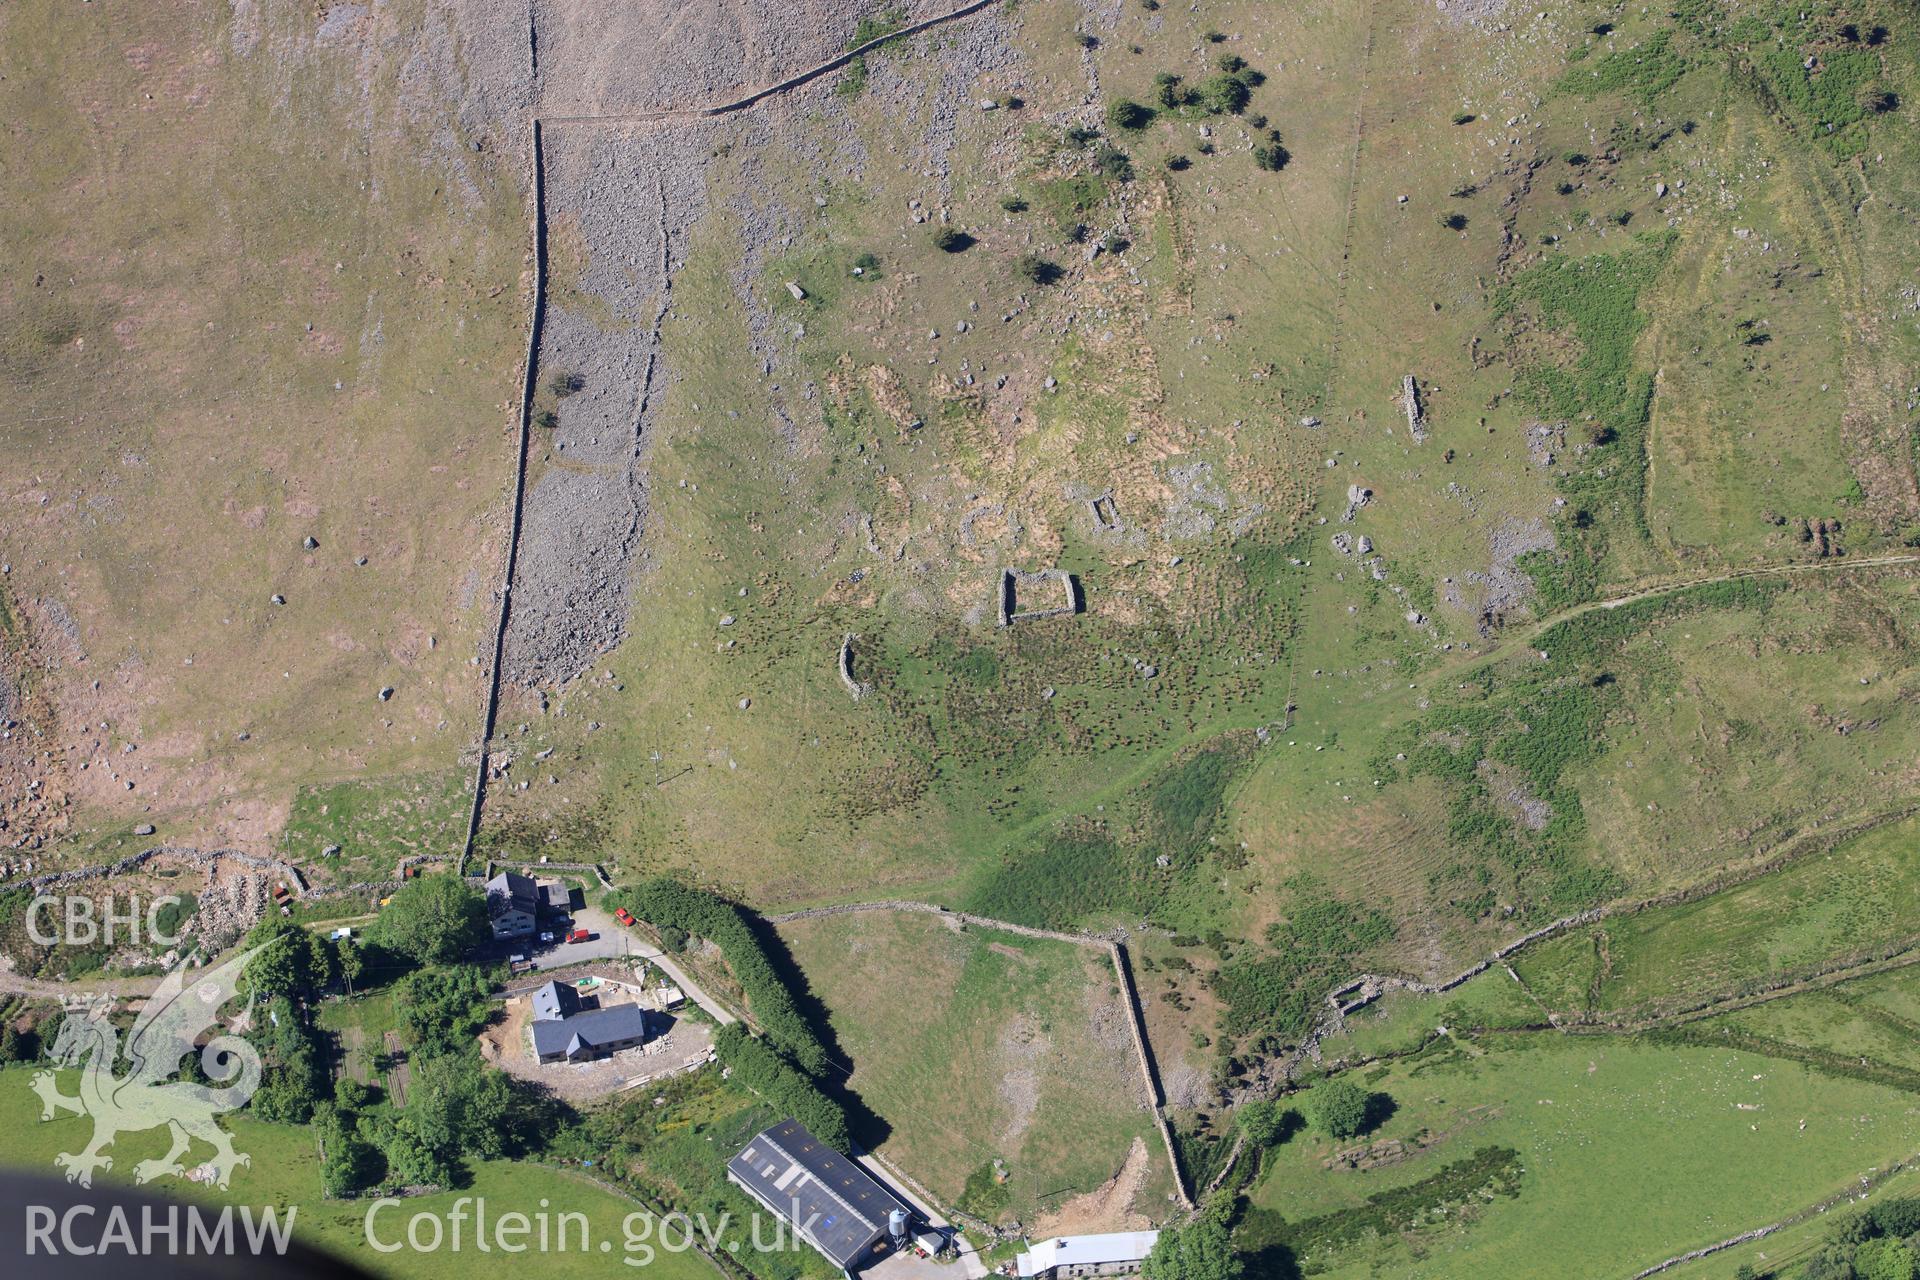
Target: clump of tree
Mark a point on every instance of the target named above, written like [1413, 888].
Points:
[1881, 1244]
[1225, 94]
[1013, 204]
[759, 1066]
[1271, 155]
[1201, 1250]
[1129, 115]
[564, 383]
[1878, 99]
[952, 240]
[292, 963]
[458, 1109]
[1265, 1123]
[293, 1066]
[1111, 162]
[436, 919]
[1342, 1109]
[1037, 270]
[18, 1044]
[442, 1009]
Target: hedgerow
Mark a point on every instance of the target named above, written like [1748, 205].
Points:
[667, 903]
[759, 1066]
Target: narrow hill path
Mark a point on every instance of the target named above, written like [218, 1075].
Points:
[1530, 634]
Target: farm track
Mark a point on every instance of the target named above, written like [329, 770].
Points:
[1343, 280]
[1532, 633]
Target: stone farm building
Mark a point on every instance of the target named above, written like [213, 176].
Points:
[564, 1031]
[1119, 1253]
[828, 1200]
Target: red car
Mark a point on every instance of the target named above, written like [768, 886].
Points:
[579, 935]
[624, 917]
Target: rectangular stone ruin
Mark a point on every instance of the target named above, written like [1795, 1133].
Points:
[1026, 596]
[1106, 516]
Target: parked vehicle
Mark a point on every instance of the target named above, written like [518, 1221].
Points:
[624, 917]
[546, 935]
[580, 935]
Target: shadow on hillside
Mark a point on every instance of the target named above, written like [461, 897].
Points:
[866, 1126]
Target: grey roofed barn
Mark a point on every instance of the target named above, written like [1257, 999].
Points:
[840, 1210]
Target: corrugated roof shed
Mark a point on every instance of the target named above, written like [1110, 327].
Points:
[839, 1209]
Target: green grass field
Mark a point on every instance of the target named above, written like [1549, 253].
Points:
[1023, 1041]
[285, 1172]
[1627, 1153]
[1851, 900]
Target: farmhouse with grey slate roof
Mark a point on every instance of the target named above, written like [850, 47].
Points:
[515, 903]
[564, 1031]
